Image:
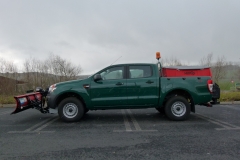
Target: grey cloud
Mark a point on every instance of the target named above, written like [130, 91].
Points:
[93, 30]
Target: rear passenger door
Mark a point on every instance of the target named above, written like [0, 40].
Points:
[142, 85]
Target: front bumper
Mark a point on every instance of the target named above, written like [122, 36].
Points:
[51, 100]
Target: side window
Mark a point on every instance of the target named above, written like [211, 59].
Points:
[140, 71]
[112, 73]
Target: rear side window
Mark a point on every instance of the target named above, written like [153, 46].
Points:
[140, 71]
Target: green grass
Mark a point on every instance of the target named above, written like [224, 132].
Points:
[226, 86]
[7, 99]
[229, 96]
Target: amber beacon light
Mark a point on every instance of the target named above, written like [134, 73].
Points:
[158, 56]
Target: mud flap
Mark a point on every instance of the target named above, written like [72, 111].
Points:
[215, 94]
[30, 100]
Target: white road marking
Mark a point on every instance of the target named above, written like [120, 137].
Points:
[43, 124]
[135, 131]
[136, 125]
[225, 125]
[126, 122]
[36, 125]
[232, 107]
[6, 112]
[220, 129]
[31, 132]
[134, 121]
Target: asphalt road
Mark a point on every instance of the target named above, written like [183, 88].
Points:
[211, 133]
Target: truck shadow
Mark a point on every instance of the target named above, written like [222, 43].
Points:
[101, 117]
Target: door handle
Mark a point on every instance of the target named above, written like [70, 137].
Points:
[149, 82]
[119, 84]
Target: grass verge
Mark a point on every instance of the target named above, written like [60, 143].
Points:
[4, 99]
[229, 96]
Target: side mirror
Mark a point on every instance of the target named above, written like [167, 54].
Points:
[97, 77]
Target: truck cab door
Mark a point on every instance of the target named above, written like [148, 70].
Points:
[111, 90]
[142, 85]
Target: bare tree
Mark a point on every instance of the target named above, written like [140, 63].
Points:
[8, 77]
[207, 61]
[238, 72]
[44, 73]
[63, 68]
[171, 62]
[31, 67]
[7, 66]
[219, 69]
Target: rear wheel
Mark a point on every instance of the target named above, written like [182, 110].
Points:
[70, 109]
[177, 108]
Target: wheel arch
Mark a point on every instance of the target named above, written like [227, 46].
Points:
[69, 94]
[183, 93]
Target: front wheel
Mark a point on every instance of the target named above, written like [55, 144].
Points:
[177, 108]
[70, 109]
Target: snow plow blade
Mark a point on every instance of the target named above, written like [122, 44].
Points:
[31, 100]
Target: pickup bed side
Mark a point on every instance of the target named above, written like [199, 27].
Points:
[193, 89]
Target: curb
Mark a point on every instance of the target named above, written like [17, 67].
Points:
[7, 105]
[228, 103]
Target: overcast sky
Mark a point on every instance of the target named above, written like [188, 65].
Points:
[95, 33]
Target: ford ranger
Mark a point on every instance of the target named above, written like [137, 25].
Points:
[173, 91]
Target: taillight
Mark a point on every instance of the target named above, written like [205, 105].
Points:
[210, 85]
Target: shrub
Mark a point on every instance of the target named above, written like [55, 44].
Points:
[230, 96]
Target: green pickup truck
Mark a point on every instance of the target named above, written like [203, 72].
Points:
[132, 86]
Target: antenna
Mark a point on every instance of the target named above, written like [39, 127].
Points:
[116, 60]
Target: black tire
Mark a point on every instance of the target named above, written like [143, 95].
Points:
[161, 110]
[70, 109]
[177, 108]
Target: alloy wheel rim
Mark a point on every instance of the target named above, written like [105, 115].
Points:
[70, 110]
[178, 109]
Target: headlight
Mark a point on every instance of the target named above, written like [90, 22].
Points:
[52, 88]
